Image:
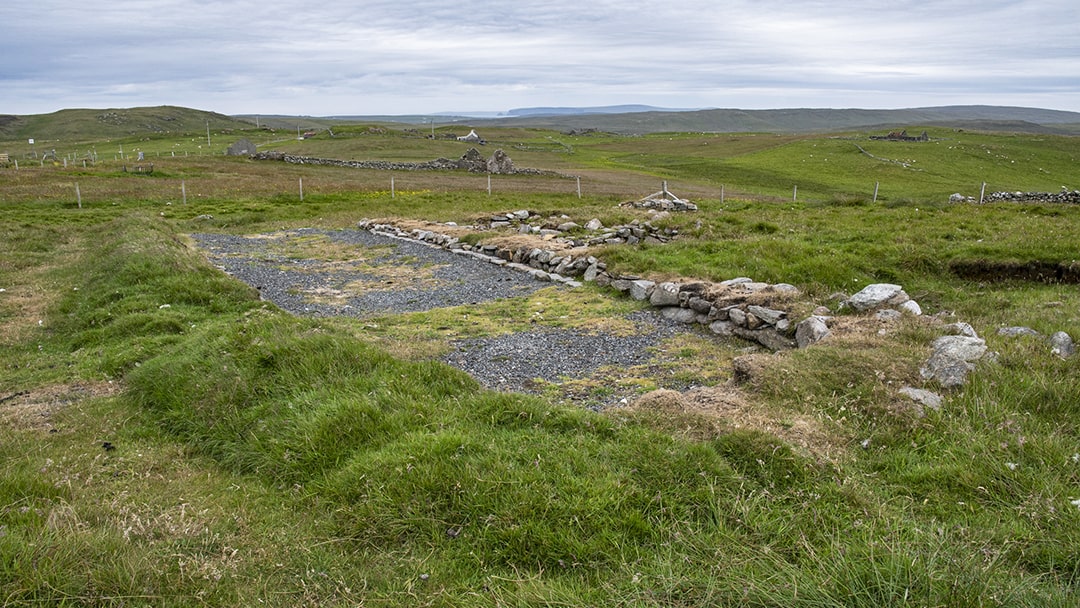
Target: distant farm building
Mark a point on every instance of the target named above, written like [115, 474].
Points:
[472, 137]
[902, 136]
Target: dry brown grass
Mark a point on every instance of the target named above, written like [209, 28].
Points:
[711, 411]
[34, 409]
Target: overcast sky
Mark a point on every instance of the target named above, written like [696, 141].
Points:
[428, 56]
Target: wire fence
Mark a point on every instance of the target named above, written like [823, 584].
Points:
[300, 181]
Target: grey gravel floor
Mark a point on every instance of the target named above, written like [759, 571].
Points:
[509, 362]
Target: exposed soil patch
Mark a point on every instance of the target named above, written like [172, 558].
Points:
[709, 411]
[1039, 272]
[33, 409]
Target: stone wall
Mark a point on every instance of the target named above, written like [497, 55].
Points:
[471, 161]
[1064, 196]
[738, 307]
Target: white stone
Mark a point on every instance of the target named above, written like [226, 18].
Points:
[1061, 344]
[878, 295]
[911, 307]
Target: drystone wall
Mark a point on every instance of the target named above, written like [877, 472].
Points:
[737, 307]
[1066, 196]
[472, 161]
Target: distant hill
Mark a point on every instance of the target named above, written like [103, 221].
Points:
[623, 109]
[87, 124]
[808, 120]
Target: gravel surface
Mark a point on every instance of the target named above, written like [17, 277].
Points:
[294, 284]
[512, 361]
[509, 362]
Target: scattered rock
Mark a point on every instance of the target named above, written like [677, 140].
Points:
[1015, 332]
[960, 329]
[923, 397]
[911, 307]
[641, 289]
[953, 358]
[888, 314]
[878, 295]
[1061, 344]
[811, 330]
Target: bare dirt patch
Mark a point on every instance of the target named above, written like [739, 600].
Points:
[711, 411]
[33, 409]
[23, 309]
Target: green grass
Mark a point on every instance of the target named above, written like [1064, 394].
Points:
[265, 459]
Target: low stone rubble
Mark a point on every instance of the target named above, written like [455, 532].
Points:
[740, 307]
[752, 310]
[565, 232]
[662, 201]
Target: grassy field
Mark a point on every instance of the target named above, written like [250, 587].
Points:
[168, 439]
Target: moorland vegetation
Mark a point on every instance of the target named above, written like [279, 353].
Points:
[169, 439]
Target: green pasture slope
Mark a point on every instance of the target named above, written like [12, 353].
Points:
[226, 453]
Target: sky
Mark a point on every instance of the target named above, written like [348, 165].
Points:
[403, 57]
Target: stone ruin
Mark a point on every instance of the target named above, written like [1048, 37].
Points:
[741, 307]
[663, 200]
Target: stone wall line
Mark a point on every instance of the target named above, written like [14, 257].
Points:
[742, 307]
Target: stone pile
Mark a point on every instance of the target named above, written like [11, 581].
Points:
[572, 234]
[662, 201]
[1066, 196]
[471, 161]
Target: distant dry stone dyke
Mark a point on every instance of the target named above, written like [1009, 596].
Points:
[472, 161]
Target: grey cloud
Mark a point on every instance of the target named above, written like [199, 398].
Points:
[434, 55]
